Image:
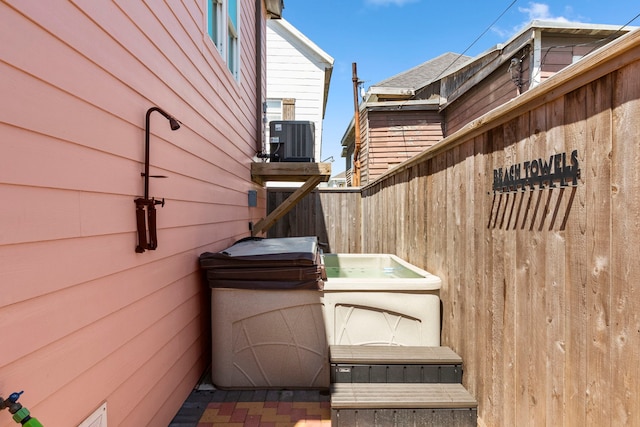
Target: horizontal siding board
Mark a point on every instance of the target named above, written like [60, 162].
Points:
[135, 411]
[169, 407]
[149, 405]
[99, 340]
[132, 357]
[279, 59]
[38, 214]
[123, 139]
[81, 260]
[71, 214]
[400, 153]
[139, 77]
[104, 322]
[59, 114]
[479, 101]
[397, 136]
[65, 165]
[86, 303]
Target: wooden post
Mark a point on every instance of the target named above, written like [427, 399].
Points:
[355, 179]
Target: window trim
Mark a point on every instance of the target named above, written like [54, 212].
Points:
[273, 110]
[223, 34]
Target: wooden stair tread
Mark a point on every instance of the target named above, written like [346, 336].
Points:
[361, 354]
[398, 396]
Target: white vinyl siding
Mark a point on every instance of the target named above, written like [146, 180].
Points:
[295, 70]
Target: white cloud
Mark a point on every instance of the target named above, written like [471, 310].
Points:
[535, 11]
[540, 11]
[389, 2]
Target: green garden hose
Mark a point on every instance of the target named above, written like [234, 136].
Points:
[21, 415]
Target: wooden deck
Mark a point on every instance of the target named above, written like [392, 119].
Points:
[311, 174]
[262, 172]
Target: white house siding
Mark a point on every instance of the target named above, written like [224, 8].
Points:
[296, 69]
[85, 319]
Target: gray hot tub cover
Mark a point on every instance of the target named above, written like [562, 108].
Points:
[277, 263]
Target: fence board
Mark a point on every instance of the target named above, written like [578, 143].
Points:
[576, 280]
[333, 215]
[538, 261]
[625, 295]
[598, 204]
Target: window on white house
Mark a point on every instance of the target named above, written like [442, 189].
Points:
[272, 112]
[274, 109]
[223, 29]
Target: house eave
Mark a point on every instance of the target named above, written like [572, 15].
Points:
[348, 137]
[374, 93]
[328, 71]
[274, 8]
[501, 53]
[410, 104]
[305, 42]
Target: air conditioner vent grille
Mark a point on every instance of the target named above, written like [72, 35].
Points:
[291, 141]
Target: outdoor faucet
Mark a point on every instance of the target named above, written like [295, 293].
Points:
[144, 203]
[21, 415]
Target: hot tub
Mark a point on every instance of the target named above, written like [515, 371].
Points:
[380, 299]
[269, 333]
[266, 314]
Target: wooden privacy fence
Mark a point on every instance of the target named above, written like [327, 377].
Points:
[332, 214]
[531, 217]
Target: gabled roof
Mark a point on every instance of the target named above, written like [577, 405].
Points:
[303, 40]
[425, 73]
[405, 84]
[304, 44]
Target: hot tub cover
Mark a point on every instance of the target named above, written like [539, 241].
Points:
[276, 263]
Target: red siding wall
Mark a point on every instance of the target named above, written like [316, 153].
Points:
[395, 136]
[558, 52]
[86, 319]
[490, 93]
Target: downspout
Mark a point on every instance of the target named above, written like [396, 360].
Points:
[259, 131]
[356, 123]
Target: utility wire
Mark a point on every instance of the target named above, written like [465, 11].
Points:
[598, 43]
[476, 40]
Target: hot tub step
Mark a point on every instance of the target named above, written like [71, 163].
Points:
[402, 404]
[394, 364]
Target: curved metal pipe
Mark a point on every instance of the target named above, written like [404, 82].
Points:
[175, 125]
[147, 239]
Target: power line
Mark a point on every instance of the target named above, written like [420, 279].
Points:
[597, 43]
[476, 40]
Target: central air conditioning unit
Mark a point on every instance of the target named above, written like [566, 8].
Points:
[291, 141]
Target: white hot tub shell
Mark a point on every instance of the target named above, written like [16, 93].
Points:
[380, 299]
[268, 339]
[280, 338]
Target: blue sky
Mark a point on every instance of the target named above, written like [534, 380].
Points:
[386, 37]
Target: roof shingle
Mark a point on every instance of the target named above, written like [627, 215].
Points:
[425, 73]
